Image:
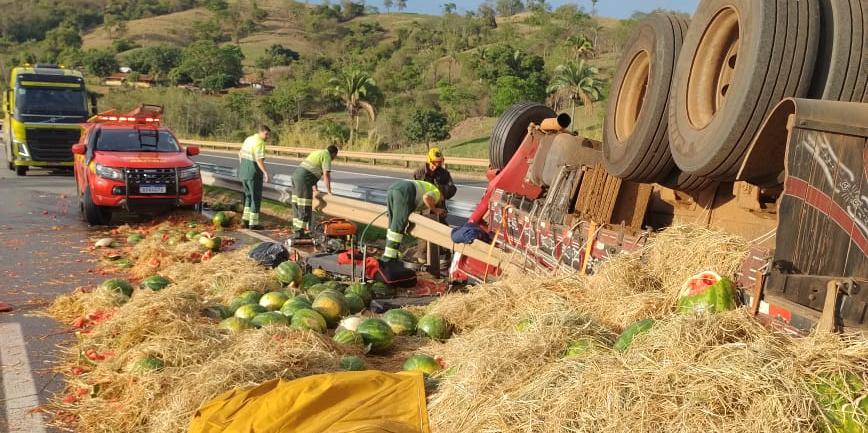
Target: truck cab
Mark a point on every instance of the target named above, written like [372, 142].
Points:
[130, 162]
[44, 105]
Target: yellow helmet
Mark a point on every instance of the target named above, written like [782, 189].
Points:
[435, 155]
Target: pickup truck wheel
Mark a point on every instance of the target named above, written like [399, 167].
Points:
[21, 170]
[739, 59]
[511, 128]
[635, 134]
[95, 215]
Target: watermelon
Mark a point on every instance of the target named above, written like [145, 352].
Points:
[837, 394]
[124, 263]
[191, 235]
[355, 302]
[381, 290]
[289, 273]
[523, 325]
[401, 321]
[352, 363]
[309, 320]
[291, 306]
[319, 273]
[154, 282]
[707, 292]
[352, 323]
[147, 364]
[308, 280]
[248, 297]
[217, 312]
[273, 301]
[235, 324]
[249, 311]
[582, 347]
[220, 219]
[134, 238]
[377, 334]
[345, 336]
[362, 290]
[333, 285]
[332, 305]
[118, 285]
[423, 364]
[434, 326]
[626, 337]
[314, 290]
[211, 243]
[269, 318]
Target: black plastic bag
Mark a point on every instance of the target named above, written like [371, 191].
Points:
[269, 254]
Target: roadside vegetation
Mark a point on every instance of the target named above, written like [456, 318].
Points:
[345, 72]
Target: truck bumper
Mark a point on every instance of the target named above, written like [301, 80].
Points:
[113, 194]
[42, 164]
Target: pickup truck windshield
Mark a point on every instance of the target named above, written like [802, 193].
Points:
[136, 140]
[50, 101]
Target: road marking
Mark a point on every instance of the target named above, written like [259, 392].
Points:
[19, 389]
[210, 155]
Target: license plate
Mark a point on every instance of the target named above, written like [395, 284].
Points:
[153, 189]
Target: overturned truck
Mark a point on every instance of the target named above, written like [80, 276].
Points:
[751, 118]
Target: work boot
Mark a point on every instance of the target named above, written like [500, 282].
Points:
[245, 224]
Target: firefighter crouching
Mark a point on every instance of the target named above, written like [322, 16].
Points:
[304, 179]
[403, 198]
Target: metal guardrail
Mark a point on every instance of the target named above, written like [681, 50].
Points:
[372, 157]
[280, 187]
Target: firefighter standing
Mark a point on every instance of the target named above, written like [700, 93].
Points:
[403, 198]
[434, 172]
[304, 179]
[253, 174]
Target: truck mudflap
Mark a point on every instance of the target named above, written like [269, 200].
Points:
[817, 151]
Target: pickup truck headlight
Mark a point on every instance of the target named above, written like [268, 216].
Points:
[109, 172]
[22, 148]
[188, 173]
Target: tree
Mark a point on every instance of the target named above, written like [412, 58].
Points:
[487, 15]
[388, 5]
[449, 8]
[579, 81]
[101, 63]
[210, 66]
[277, 55]
[402, 4]
[581, 46]
[426, 124]
[353, 87]
[508, 8]
[157, 61]
[290, 99]
[60, 39]
[510, 90]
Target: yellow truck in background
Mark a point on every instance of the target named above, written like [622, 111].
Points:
[44, 106]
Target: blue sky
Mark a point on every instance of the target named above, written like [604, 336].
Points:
[608, 8]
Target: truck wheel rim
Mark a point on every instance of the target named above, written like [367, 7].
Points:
[713, 68]
[631, 95]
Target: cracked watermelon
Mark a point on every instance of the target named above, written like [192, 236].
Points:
[147, 364]
[707, 292]
[377, 334]
[290, 273]
[626, 338]
[401, 321]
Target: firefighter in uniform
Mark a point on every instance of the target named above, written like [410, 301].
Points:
[434, 172]
[304, 179]
[253, 174]
[403, 198]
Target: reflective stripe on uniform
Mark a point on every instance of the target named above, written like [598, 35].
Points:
[297, 223]
[390, 253]
[394, 236]
[302, 201]
[254, 218]
[247, 212]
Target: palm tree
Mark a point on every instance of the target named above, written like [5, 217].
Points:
[353, 86]
[579, 81]
[581, 45]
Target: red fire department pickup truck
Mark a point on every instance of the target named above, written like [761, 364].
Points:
[129, 161]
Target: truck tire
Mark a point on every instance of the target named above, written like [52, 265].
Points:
[739, 59]
[680, 181]
[635, 131]
[94, 214]
[842, 61]
[510, 129]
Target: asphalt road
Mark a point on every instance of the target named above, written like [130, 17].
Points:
[41, 238]
[470, 191]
